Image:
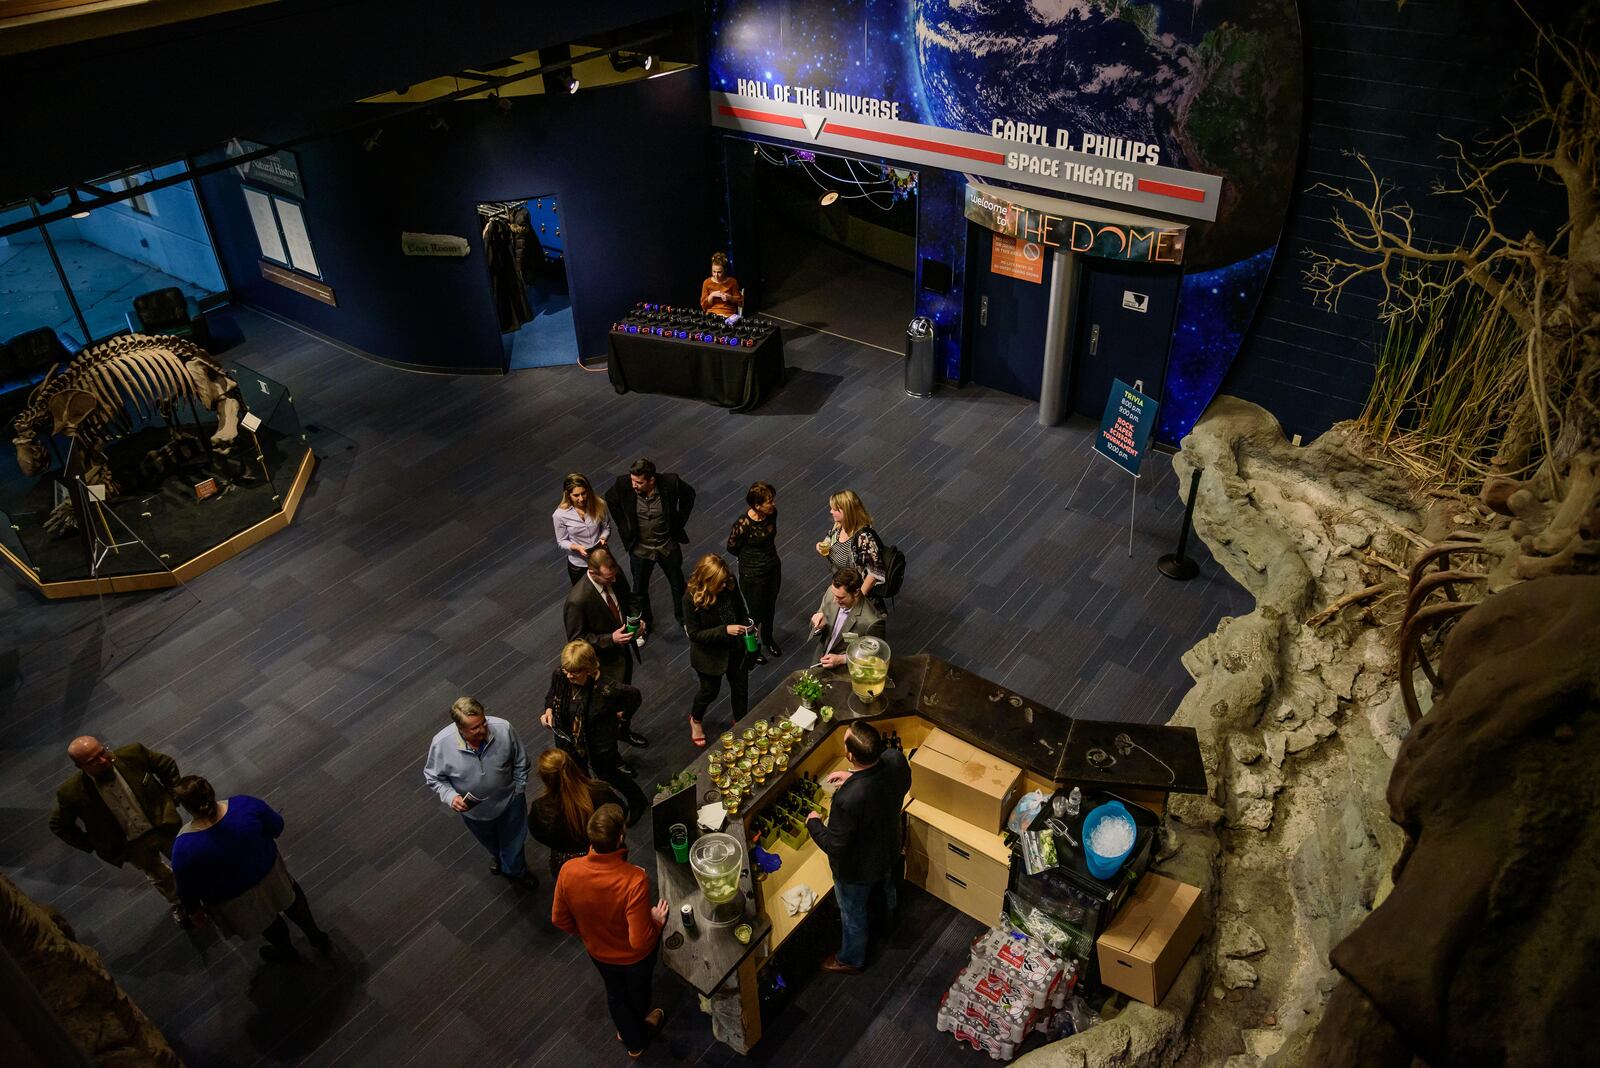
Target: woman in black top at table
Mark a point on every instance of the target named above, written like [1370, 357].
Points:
[754, 543]
[714, 614]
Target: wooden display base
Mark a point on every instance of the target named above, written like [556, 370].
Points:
[189, 569]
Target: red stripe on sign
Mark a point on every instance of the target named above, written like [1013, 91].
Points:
[1182, 192]
[765, 116]
[981, 155]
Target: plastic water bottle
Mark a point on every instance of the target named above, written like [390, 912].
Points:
[1074, 801]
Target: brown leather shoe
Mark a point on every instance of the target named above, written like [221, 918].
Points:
[831, 964]
[652, 1023]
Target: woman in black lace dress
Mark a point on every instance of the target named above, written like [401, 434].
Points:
[754, 542]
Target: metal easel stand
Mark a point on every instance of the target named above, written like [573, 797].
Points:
[93, 510]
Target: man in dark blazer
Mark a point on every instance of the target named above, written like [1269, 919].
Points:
[862, 836]
[596, 611]
[119, 807]
[844, 610]
[652, 514]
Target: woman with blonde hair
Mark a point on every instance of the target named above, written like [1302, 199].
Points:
[717, 620]
[586, 714]
[559, 817]
[582, 523]
[853, 543]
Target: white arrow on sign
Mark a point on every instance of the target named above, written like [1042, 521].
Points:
[814, 124]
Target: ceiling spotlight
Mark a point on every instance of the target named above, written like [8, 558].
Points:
[624, 61]
[371, 143]
[572, 84]
[501, 102]
[828, 198]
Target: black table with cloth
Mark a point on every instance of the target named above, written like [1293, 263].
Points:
[737, 378]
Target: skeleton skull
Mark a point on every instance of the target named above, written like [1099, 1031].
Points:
[31, 455]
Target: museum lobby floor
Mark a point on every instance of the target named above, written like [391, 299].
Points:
[312, 670]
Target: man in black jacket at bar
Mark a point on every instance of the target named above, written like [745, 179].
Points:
[862, 837]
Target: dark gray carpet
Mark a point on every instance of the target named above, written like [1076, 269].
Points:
[312, 670]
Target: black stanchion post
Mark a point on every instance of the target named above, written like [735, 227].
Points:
[1177, 565]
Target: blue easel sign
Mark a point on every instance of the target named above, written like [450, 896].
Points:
[1126, 427]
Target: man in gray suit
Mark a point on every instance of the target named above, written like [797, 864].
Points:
[843, 611]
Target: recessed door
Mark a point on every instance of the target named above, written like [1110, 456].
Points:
[1125, 316]
[1009, 308]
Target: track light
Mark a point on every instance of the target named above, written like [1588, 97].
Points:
[624, 61]
[572, 84]
[371, 143]
[828, 198]
[501, 102]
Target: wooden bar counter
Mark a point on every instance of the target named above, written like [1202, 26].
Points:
[923, 693]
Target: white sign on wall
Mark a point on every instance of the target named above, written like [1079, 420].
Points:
[1139, 302]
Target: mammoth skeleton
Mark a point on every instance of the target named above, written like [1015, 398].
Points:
[108, 386]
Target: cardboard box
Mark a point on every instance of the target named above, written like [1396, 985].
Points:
[1145, 945]
[964, 781]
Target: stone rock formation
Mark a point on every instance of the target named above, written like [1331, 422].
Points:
[1299, 719]
[1488, 949]
[97, 1014]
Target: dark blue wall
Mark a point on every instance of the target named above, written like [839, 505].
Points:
[629, 164]
[1387, 82]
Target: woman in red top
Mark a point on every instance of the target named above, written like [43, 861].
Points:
[720, 293]
[605, 901]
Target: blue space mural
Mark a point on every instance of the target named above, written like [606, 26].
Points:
[1211, 86]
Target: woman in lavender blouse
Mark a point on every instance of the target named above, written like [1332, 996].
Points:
[581, 522]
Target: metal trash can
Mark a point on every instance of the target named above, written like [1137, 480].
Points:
[919, 357]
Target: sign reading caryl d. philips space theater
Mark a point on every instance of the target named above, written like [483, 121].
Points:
[1060, 160]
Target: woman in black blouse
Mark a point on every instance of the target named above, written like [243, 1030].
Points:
[558, 817]
[852, 542]
[586, 713]
[754, 543]
[714, 615]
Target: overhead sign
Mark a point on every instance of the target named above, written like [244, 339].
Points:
[1106, 168]
[1125, 427]
[279, 171]
[1153, 243]
[1017, 259]
[434, 245]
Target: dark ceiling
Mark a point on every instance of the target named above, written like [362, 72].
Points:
[77, 112]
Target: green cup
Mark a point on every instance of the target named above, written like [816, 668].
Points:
[678, 836]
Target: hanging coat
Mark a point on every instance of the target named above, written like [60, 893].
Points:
[505, 280]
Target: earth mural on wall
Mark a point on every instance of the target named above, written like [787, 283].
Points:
[1215, 84]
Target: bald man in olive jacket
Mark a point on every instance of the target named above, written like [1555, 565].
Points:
[119, 807]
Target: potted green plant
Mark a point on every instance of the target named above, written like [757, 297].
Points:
[808, 688]
[681, 781]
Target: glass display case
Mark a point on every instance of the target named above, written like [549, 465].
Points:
[176, 500]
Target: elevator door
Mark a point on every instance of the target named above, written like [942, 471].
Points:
[1125, 319]
[1008, 317]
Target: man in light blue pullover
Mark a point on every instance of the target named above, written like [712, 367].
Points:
[479, 769]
